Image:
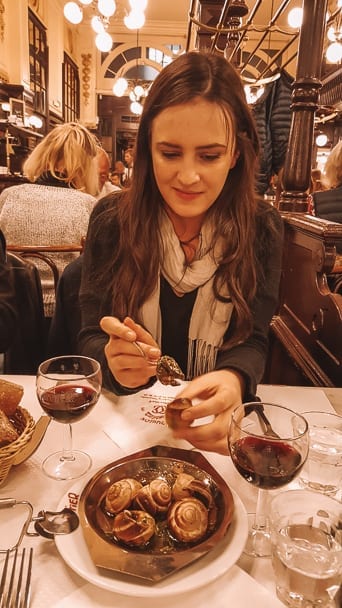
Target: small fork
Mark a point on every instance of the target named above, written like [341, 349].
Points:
[16, 587]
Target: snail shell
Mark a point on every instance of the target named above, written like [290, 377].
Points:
[134, 527]
[180, 488]
[200, 490]
[188, 520]
[173, 413]
[155, 497]
[186, 485]
[121, 493]
[168, 370]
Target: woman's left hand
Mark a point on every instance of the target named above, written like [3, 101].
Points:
[220, 393]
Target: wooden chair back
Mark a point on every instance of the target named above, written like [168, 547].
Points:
[306, 332]
[45, 253]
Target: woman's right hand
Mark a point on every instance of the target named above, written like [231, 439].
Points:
[129, 367]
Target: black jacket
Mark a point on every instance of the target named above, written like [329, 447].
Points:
[8, 311]
[247, 358]
[272, 114]
[328, 205]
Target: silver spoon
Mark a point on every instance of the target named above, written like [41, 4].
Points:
[265, 423]
[167, 368]
[46, 523]
[53, 523]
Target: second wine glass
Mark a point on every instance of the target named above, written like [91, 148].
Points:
[268, 445]
[68, 387]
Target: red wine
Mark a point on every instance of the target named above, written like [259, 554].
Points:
[266, 464]
[68, 403]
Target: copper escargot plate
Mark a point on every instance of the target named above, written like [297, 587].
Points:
[150, 564]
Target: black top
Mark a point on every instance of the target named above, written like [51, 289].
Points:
[247, 358]
[66, 320]
[177, 312]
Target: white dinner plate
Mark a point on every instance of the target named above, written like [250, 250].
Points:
[73, 549]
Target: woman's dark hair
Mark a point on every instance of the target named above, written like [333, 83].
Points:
[135, 264]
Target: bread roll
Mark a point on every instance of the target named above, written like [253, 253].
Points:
[10, 396]
[7, 431]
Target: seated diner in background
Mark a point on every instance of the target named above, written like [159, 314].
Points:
[115, 179]
[53, 209]
[186, 262]
[128, 168]
[105, 184]
[119, 168]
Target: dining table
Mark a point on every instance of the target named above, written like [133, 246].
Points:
[116, 428]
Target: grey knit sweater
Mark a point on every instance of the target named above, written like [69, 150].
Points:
[34, 214]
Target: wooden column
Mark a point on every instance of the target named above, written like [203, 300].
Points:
[297, 168]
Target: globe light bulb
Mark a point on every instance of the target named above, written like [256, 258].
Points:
[334, 52]
[97, 24]
[73, 13]
[136, 107]
[134, 20]
[138, 91]
[106, 7]
[120, 87]
[295, 17]
[104, 42]
[85, 2]
[138, 5]
[321, 140]
[331, 34]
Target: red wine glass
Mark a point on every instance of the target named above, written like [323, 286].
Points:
[68, 388]
[268, 445]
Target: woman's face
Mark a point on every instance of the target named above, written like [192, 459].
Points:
[192, 153]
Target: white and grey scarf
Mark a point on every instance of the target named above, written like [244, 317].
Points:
[210, 317]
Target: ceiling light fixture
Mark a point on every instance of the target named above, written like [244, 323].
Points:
[334, 34]
[135, 88]
[321, 140]
[104, 10]
[295, 17]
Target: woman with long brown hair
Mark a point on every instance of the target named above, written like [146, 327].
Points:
[186, 262]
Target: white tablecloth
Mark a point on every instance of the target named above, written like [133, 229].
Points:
[116, 427]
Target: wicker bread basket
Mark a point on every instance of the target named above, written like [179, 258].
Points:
[24, 423]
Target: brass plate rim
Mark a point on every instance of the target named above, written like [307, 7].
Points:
[151, 567]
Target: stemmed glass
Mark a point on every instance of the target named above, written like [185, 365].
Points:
[268, 445]
[68, 387]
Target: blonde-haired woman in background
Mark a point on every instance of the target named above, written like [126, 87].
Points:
[54, 208]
